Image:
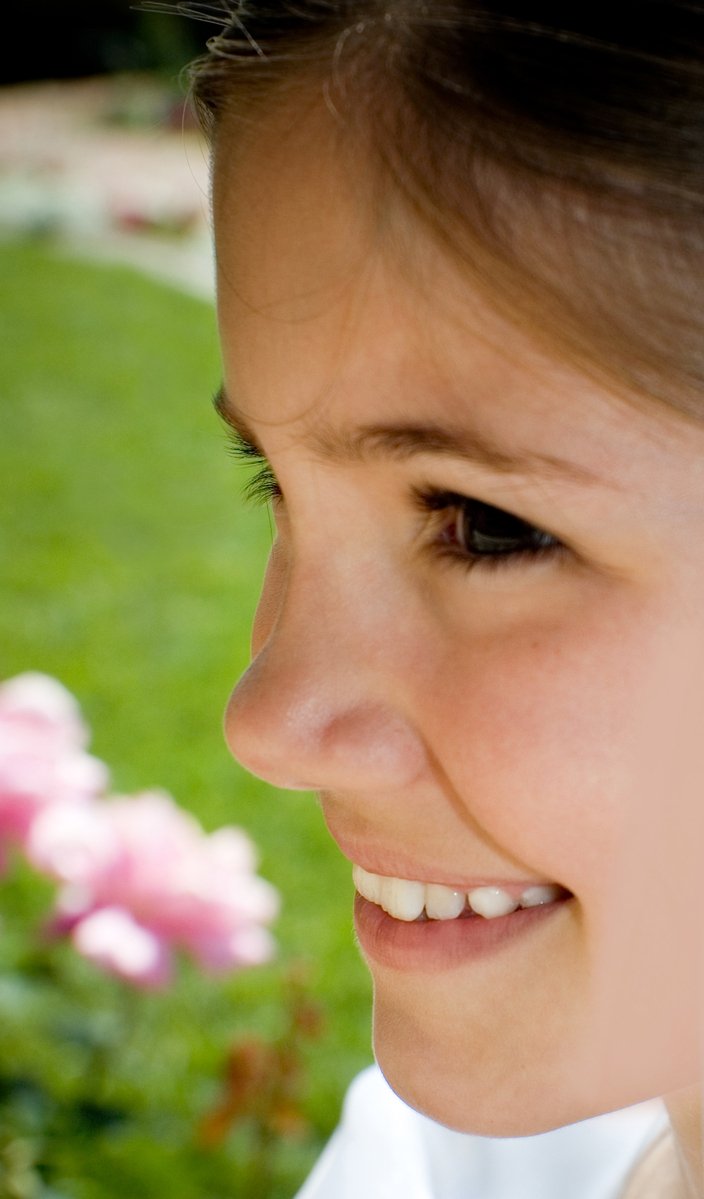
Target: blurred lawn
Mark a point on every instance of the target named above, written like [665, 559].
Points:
[130, 572]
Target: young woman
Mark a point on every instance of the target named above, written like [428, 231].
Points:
[460, 276]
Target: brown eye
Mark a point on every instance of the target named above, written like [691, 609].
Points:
[478, 535]
[480, 529]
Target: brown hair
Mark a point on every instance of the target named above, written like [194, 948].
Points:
[557, 146]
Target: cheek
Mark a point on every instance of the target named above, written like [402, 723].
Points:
[579, 754]
[566, 746]
[551, 734]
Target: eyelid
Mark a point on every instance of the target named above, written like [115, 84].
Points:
[264, 488]
[432, 498]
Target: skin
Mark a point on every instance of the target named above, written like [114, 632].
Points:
[539, 721]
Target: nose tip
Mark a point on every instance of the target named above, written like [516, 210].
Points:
[303, 734]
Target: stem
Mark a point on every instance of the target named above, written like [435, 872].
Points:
[259, 1173]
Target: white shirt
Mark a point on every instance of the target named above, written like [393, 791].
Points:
[382, 1149]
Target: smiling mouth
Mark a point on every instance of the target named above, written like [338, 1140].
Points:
[415, 902]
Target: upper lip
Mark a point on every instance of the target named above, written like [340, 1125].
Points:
[395, 865]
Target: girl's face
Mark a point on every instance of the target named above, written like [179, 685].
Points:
[479, 699]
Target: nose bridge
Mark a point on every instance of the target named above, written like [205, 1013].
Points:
[320, 705]
[336, 621]
[343, 604]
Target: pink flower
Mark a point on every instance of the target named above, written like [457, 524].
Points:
[113, 939]
[42, 753]
[155, 879]
[138, 876]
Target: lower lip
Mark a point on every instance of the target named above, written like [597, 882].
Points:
[430, 945]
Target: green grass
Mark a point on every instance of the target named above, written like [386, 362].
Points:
[130, 572]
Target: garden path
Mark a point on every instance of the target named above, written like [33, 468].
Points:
[113, 168]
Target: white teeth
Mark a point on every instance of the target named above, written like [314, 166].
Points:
[407, 900]
[402, 899]
[533, 897]
[368, 885]
[491, 902]
[441, 903]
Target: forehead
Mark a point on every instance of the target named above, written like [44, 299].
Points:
[335, 302]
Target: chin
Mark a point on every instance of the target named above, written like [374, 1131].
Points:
[478, 1118]
[478, 1097]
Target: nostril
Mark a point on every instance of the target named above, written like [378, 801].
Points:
[263, 770]
[375, 742]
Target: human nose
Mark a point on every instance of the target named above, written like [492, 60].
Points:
[320, 706]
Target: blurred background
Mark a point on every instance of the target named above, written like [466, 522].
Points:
[130, 570]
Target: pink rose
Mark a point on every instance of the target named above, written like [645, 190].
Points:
[112, 939]
[42, 753]
[146, 858]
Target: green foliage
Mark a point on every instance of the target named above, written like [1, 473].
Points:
[130, 572]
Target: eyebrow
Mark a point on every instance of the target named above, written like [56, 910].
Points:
[402, 441]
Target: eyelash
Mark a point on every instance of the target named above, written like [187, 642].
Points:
[263, 488]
